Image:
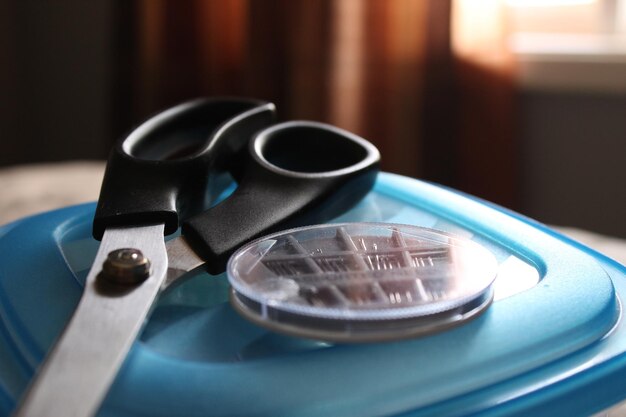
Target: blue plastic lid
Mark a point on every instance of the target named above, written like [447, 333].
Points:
[535, 350]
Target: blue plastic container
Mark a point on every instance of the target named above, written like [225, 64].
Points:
[556, 348]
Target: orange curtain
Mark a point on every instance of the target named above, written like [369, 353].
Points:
[384, 69]
[487, 122]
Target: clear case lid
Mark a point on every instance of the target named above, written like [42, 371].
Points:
[361, 281]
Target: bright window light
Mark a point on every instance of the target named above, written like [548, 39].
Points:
[548, 3]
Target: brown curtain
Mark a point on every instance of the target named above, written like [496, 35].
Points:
[383, 69]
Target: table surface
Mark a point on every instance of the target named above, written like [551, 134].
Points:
[31, 189]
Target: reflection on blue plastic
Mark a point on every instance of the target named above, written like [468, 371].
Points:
[532, 353]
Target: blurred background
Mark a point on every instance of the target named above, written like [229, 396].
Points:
[520, 102]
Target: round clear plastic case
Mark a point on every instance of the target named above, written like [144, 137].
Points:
[361, 282]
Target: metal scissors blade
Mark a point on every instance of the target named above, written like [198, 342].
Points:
[159, 169]
[80, 369]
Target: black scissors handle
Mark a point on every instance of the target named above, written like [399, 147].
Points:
[298, 173]
[159, 173]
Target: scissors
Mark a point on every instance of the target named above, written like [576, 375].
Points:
[288, 174]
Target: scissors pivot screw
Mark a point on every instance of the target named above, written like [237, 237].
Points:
[126, 266]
